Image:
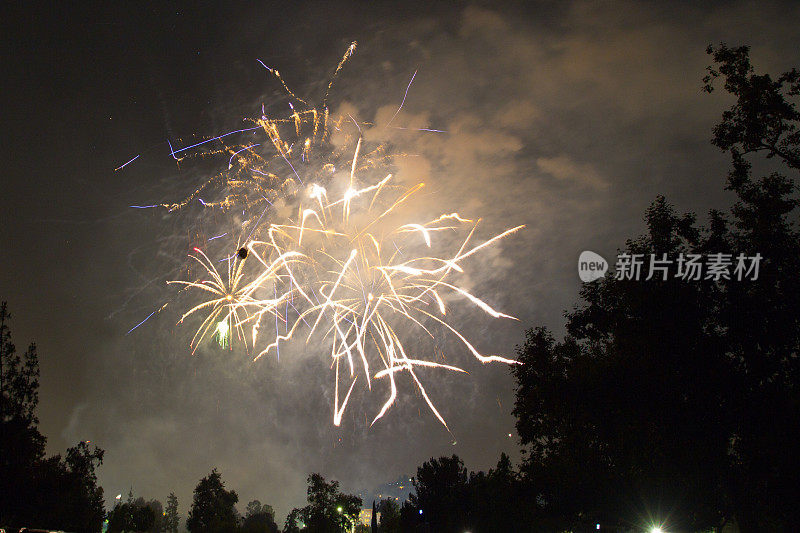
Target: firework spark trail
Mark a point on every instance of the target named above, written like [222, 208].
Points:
[365, 294]
[123, 165]
[344, 270]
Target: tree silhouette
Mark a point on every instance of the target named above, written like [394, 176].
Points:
[622, 420]
[390, 516]
[21, 444]
[259, 518]
[55, 492]
[441, 489]
[294, 520]
[496, 499]
[410, 517]
[134, 515]
[680, 398]
[213, 508]
[761, 320]
[328, 510]
[764, 119]
[171, 519]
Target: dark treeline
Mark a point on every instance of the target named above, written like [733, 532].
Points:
[675, 401]
[37, 491]
[671, 402]
[448, 498]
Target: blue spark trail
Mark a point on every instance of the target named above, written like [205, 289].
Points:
[126, 164]
[404, 99]
[173, 151]
[140, 323]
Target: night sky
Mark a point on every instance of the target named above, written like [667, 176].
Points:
[569, 117]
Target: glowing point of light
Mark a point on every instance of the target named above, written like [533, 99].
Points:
[656, 529]
[339, 509]
[317, 191]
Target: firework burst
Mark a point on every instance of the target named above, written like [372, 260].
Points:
[350, 266]
[355, 278]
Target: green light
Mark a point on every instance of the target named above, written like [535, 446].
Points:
[222, 332]
[339, 509]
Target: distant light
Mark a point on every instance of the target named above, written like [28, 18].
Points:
[509, 436]
[339, 509]
[420, 511]
[598, 526]
[656, 529]
[118, 496]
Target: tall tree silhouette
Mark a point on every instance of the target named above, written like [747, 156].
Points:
[21, 444]
[213, 508]
[171, 517]
[761, 320]
[441, 491]
[679, 398]
[55, 492]
[390, 516]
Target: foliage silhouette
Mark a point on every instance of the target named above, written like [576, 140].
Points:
[171, 518]
[38, 492]
[259, 519]
[673, 398]
[328, 510]
[390, 516]
[213, 508]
